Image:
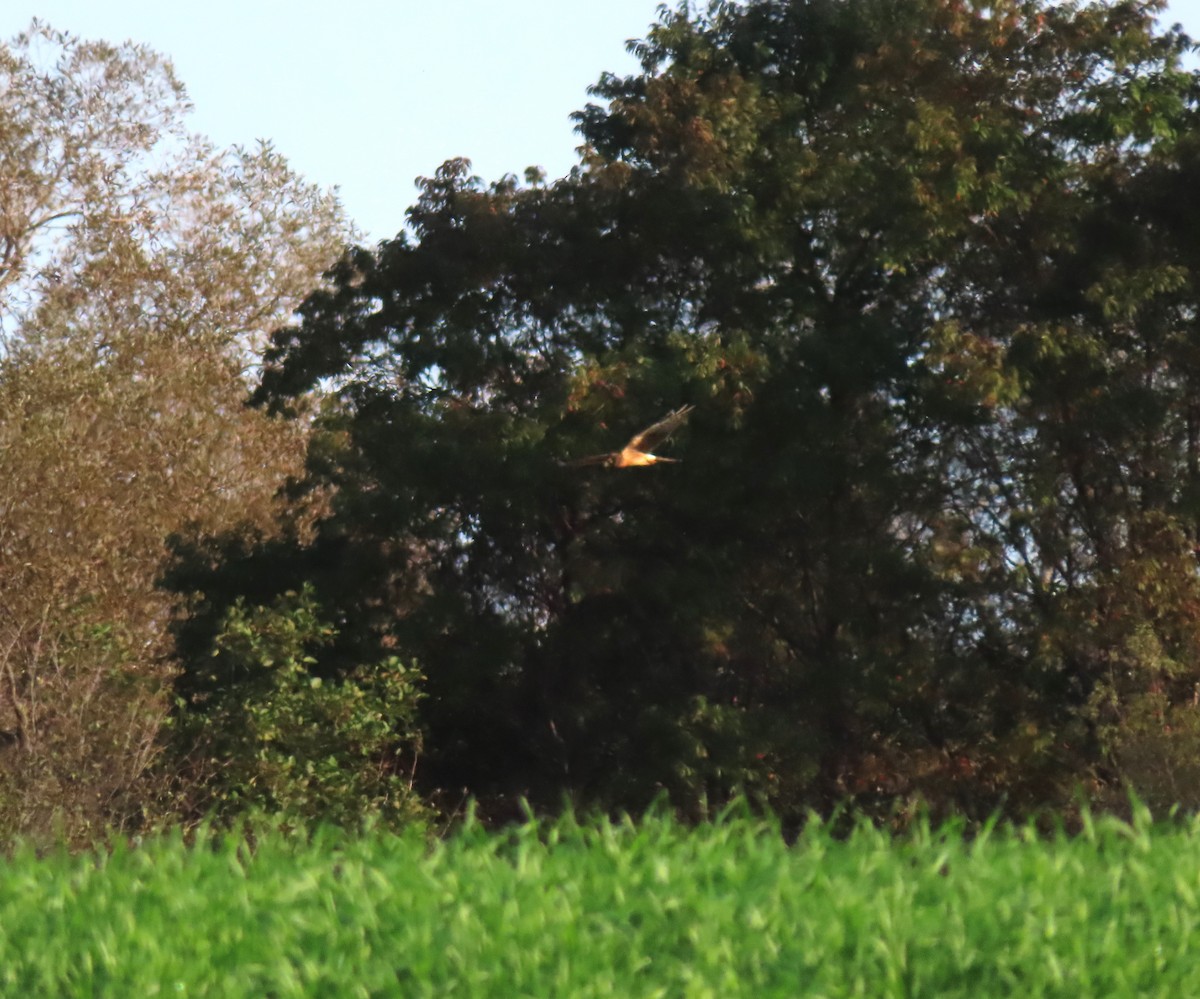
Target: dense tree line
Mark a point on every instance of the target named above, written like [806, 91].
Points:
[925, 271]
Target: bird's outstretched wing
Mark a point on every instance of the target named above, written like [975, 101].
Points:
[658, 432]
[591, 459]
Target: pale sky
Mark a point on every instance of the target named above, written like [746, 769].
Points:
[369, 94]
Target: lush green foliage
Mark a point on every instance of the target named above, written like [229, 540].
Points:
[927, 271]
[925, 274]
[275, 737]
[612, 910]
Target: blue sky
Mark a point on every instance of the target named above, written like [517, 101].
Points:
[369, 94]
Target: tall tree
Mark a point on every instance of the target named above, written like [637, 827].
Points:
[140, 271]
[860, 238]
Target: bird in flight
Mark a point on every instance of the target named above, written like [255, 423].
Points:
[637, 451]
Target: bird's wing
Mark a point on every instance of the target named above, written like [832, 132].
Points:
[591, 459]
[658, 432]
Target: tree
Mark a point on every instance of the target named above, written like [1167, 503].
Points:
[869, 242]
[140, 269]
[1089, 465]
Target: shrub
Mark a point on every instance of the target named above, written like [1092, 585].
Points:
[271, 734]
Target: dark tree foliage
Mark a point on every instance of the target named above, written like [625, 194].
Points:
[926, 271]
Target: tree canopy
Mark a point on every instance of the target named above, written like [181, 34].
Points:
[925, 269]
[141, 270]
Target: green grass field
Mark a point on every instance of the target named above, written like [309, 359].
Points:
[613, 910]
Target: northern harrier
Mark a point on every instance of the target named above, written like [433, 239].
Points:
[637, 451]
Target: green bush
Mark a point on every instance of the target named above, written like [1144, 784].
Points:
[271, 735]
